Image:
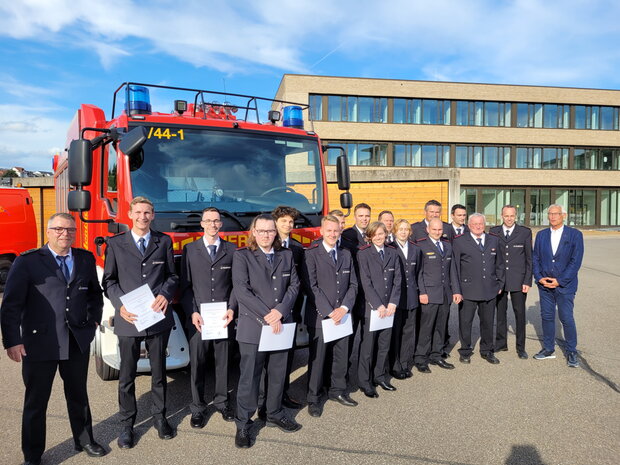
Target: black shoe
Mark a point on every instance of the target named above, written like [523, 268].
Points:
[522, 354]
[227, 413]
[372, 393]
[92, 450]
[164, 430]
[490, 358]
[344, 399]
[385, 385]
[465, 359]
[442, 364]
[445, 355]
[503, 349]
[262, 414]
[290, 403]
[398, 374]
[423, 368]
[408, 373]
[126, 438]
[315, 409]
[285, 424]
[242, 439]
[198, 420]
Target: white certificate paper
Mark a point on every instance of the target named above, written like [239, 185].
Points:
[139, 303]
[281, 341]
[377, 323]
[213, 321]
[333, 331]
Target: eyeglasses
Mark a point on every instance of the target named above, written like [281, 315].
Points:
[211, 221]
[58, 230]
[265, 232]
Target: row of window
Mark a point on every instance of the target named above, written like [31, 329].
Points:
[585, 207]
[462, 112]
[473, 156]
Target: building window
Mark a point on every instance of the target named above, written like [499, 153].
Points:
[482, 157]
[540, 199]
[425, 156]
[357, 109]
[596, 159]
[596, 117]
[493, 200]
[539, 115]
[580, 204]
[316, 107]
[362, 154]
[483, 113]
[539, 157]
[421, 111]
[610, 208]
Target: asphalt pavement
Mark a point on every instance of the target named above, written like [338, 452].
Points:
[520, 412]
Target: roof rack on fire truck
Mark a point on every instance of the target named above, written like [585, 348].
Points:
[201, 100]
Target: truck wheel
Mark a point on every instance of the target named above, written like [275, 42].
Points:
[5, 264]
[105, 371]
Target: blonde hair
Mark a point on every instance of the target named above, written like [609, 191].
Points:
[371, 230]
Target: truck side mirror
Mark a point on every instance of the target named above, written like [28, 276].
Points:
[346, 200]
[342, 173]
[132, 142]
[78, 201]
[80, 162]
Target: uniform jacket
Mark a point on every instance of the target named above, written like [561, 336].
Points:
[409, 297]
[36, 293]
[126, 269]
[381, 279]
[481, 273]
[332, 284]
[418, 231]
[437, 275]
[451, 233]
[352, 239]
[517, 256]
[204, 280]
[259, 287]
[565, 264]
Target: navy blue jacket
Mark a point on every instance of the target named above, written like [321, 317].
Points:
[565, 264]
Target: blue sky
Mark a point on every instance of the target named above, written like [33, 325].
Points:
[57, 54]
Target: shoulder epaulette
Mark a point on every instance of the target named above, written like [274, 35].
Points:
[314, 245]
[363, 247]
[421, 239]
[120, 234]
[391, 246]
[492, 234]
[445, 239]
[27, 252]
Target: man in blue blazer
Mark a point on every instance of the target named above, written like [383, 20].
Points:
[558, 253]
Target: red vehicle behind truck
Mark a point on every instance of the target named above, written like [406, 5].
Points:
[199, 154]
[18, 227]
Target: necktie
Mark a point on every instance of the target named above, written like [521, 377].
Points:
[438, 244]
[212, 251]
[62, 262]
[507, 234]
[141, 245]
[381, 254]
[458, 231]
[285, 243]
[332, 252]
[479, 239]
[270, 258]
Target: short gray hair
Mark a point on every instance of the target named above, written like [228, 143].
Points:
[64, 216]
[557, 205]
[477, 215]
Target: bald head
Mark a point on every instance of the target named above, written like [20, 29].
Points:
[435, 228]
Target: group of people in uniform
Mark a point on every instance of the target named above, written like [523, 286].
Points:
[408, 273]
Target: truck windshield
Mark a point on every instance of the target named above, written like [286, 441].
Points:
[186, 169]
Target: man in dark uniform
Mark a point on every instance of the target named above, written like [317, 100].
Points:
[438, 286]
[51, 307]
[265, 284]
[516, 244]
[387, 218]
[355, 235]
[432, 209]
[132, 259]
[458, 213]
[330, 274]
[206, 276]
[480, 269]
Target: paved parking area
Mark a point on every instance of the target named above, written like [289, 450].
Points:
[520, 412]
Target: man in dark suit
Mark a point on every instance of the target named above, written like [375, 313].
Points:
[387, 218]
[458, 213]
[516, 248]
[557, 257]
[265, 284]
[206, 276]
[438, 287]
[480, 269]
[355, 235]
[432, 209]
[285, 222]
[330, 274]
[132, 259]
[51, 307]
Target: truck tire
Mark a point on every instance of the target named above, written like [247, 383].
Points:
[5, 264]
[105, 371]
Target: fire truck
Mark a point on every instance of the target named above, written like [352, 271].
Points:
[193, 153]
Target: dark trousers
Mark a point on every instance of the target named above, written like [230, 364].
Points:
[250, 369]
[565, 303]
[403, 338]
[374, 351]
[130, 354]
[198, 351]
[38, 379]
[316, 365]
[486, 313]
[517, 298]
[357, 317]
[431, 336]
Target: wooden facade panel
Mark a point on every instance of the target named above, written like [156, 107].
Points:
[44, 203]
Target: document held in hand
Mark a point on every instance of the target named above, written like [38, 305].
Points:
[377, 323]
[139, 303]
[213, 314]
[333, 331]
[283, 340]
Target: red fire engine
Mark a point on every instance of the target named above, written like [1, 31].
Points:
[202, 153]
